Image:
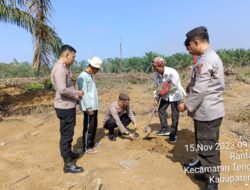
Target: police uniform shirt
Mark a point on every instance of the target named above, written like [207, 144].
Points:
[205, 101]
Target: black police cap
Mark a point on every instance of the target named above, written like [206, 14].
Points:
[196, 31]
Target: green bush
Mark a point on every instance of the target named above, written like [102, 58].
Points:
[33, 86]
[48, 84]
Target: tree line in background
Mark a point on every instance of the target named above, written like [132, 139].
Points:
[179, 61]
[35, 17]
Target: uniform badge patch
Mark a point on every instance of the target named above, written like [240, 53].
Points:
[198, 68]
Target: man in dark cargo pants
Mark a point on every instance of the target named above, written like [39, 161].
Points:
[65, 105]
[205, 104]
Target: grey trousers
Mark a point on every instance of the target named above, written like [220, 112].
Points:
[163, 115]
[207, 137]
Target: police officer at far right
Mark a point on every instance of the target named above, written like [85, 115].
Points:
[205, 103]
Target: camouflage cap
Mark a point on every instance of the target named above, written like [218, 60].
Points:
[159, 62]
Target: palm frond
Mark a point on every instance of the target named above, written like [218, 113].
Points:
[40, 9]
[14, 3]
[47, 44]
[42, 56]
[17, 17]
[33, 15]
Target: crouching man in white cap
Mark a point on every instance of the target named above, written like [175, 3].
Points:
[89, 103]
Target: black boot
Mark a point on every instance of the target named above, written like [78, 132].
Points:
[200, 177]
[188, 166]
[75, 155]
[210, 185]
[111, 134]
[71, 167]
[112, 137]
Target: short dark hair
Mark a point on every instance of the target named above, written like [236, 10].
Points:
[186, 43]
[203, 36]
[200, 33]
[65, 48]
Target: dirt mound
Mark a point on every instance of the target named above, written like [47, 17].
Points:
[36, 101]
[242, 115]
[20, 82]
[152, 144]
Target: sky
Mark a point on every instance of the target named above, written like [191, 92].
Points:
[97, 27]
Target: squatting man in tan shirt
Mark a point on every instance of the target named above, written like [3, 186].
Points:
[120, 115]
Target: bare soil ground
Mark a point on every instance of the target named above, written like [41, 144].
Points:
[29, 144]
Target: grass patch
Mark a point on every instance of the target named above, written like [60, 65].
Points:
[33, 86]
[244, 75]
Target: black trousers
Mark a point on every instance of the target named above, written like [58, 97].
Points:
[207, 137]
[110, 124]
[163, 115]
[67, 124]
[90, 123]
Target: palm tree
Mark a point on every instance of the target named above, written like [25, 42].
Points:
[148, 58]
[33, 15]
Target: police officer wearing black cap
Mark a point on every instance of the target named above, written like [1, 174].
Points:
[205, 104]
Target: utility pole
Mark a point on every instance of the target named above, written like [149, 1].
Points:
[120, 62]
[121, 49]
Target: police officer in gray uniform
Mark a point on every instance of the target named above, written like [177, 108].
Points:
[205, 103]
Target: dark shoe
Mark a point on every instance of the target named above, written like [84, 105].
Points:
[71, 167]
[164, 132]
[173, 138]
[210, 185]
[192, 165]
[112, 137]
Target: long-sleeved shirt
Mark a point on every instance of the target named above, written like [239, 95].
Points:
[205, 101]
[115, 111]
[87, 84]
[170, 74]
[66, 95]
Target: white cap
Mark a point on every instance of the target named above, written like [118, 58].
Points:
[95, 62]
